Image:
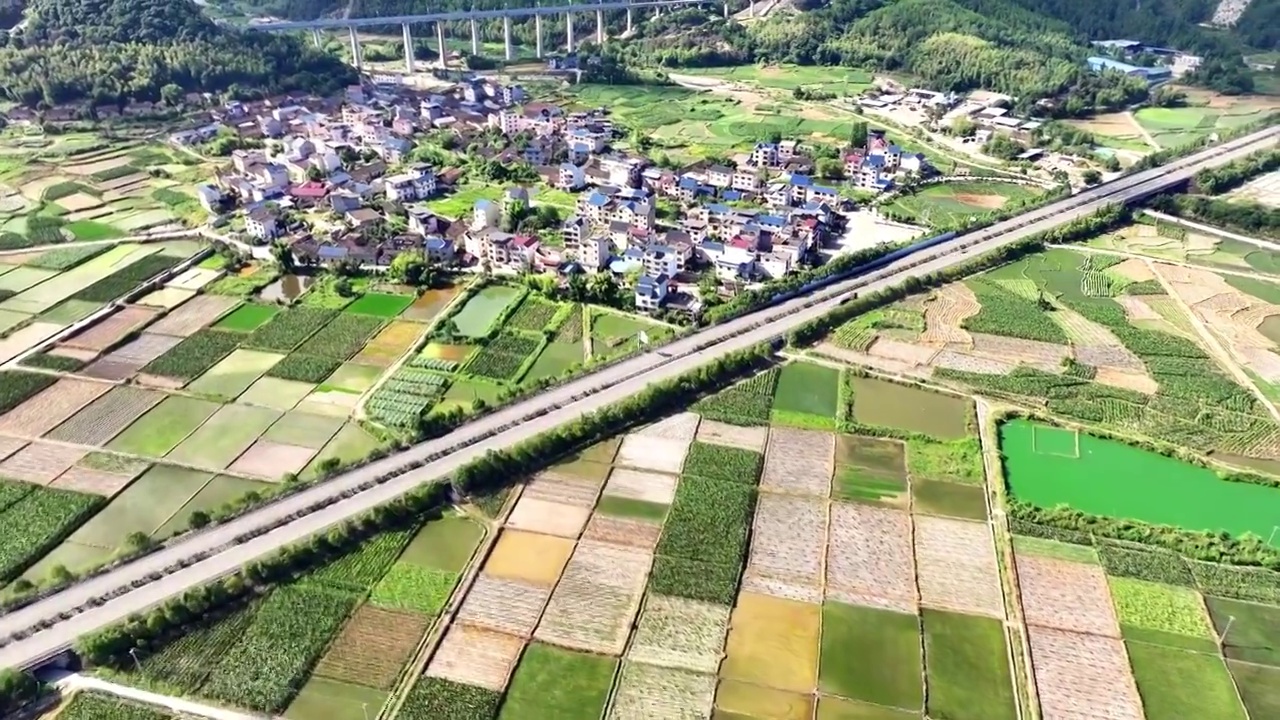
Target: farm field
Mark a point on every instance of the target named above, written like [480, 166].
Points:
[1162, 242]
[947, 204]
[1206, 113]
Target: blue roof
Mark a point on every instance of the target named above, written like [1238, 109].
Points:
[764, 145]
[568, 166]
[884, 183]
[732, 195]
[719, 208]
[712, 246]
[483, 203]
[823, 189]
[772, 220]
[435, 243]
[687, 182]
[874, 161]
[801, 180]
[598, 200]
[894, 149]
[582, 147]
[633, 253]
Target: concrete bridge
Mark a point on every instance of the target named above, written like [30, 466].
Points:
[316, 27]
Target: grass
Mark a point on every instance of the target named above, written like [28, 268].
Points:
[1176, 684]
[1054, 549]
[1259, 687]
[407, 586]
[968, 669]
[1165, 609]
[857, 484]
[1255, 630]
[221, 490]
[476, 318]
[951, 203]
[554, 683]
[851, 635]
[807, 388]
[234, 374]
[627, 507]
[938, 497]
[1157, 489]
[144, 506]
[744, 700]
[248, 317]
[613, 334]
[163, 426]
[351, 443]
[889, 404]
[445, 544]
[224, 436]
[554, 360]
[835, 708]
[380, 305]
[302, 428]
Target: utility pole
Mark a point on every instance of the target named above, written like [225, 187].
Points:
[356, 58]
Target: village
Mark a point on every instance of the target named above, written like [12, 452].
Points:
[338, 181]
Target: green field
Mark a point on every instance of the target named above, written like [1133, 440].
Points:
[380, 304]
[144, 506]
[350, 444]
[248, 317]
[333, 700]
[460, 202]
[968, 667]
[845, 81]
[951, 203]
[476, 318]
[554, 360]
[890, 404]
[1259, 687]
[444, 544]
[228, 433]
[1173, 127]
[234, 374]
[852, 635]
[808, 388]
[163, 426]
[938, 497]
[1254, 635]
[613, 334]
[221, 490]
[554, 683]
[1177, 684]
[1155, 489]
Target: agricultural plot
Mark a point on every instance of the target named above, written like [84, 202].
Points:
[40, 462]
[787, 546]
[1077, 670]
[773, 642]
[107, 332]
[1176, 684]
[956, 563]
[121, 364]
[664, 455]
[850, 635]
[247, 317]
[388, 345]
[1162, 614]
[147, 504]
[372, 647]
[593, 605]
[234, 374]
[738, 698]
[380, 305]
[799, 461]
[869, 469]
[533, 315]
[507, 606]
[967, 668]
[160, 430]
[408, 394]
[529, 557]
[503, 357]
[647, 691]
[50, 407]
[807, 389]
[889, 404]
[95, 706]
[748, 403]
[476, 657]
[35, 521]
[476, 318]
[196, 314]
[194, 355]
[551, 682]
[680, 633]
[342, 337]
[221, 439]
[725, 463]
[1066, 596]
[708, 523]
[613, 334]
[869, 558]
[289, 329]
[105, 417]
[713, 432]
[275, 393]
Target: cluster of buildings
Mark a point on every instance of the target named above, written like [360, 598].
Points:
[1167, 63]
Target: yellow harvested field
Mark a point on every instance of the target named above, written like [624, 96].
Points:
[78, 201]
[389, 344]
[761, 702]
[946, 311]
[1133, 269]
[532, 557]
[773, 642]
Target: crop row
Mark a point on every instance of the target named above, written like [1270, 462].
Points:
[362, 567]
[95, 706]
[533, 314]
[1005, 313]
[571, 328]
[709, 522]
[304, 368]
[438, 699]
[342, 337]
[186, 662]
[502, 358]
[287, 330]
[428, 363]
[190, 358]
[17, 386]
[405, 396]
[36, 522]
[267, 667]
[126, 279]
[65, 258]
[677, 577]
[718, 462]
[747, 403]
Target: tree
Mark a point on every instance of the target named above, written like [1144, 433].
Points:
[1091, 177]
[830, 168]
[171, 94]
[858, 134]
[411, 268]
[709, 289]
[283, 255]
[198, 519]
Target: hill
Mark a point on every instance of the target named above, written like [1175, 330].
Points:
[116, 51]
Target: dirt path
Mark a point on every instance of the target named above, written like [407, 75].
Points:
[1215, 348]
[1133, 120]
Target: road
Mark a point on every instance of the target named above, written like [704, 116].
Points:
[41, 630]
[73, 682]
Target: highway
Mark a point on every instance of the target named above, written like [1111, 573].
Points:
[51, 625]
[342, 23]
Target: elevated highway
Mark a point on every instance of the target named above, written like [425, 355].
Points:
[34, 634]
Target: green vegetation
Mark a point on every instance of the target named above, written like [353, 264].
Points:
[16, 386]
[65, 258]
[193, 356]
[1255, 630]
[627, 507]
[1259, 688]
[126, 279]
[551, 682]
[859, 484]
[747, 403]
[360, 568]
[949, 499]
[534, 314]
[968, 666]
[709, 522]
[853, 634]
[503, 357]
[95, 706]
[1176, 684]
[380, 305]
[248, 317]
[694, 580]
[186, 662]
[437, 699]
[47, 361]
[476, 318]
[302, 367]
[1006, 313]
[956, 461]
[342, 336]
[163, 426]
[947, 205]
[289, 329]
[903, 407]
[38, 521]
[411, 587]
[807, 388]
[728, 464]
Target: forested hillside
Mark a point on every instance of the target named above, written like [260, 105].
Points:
[115, 51]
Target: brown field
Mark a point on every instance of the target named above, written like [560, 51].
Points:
[562, 489]
[956, 563]
[788, 540]
[773, 642]
[105, 417]
[476, 657]
[78, 201]
[869, 559]
[534, 558]
[593, 606]
[124, 362]
[636, 485]
[1042, 355]
[270, 460]
[548, 518]
[194, 279]
[373, 646]
[799, 461]
[652, 453]
[46, 409]
[907, 353]
[872, 452]
[159, 381]
[1075, 671]
[111, 330]
[968, 362]
[1066, 596]
[681, 633]
[718, 433]
[504, 605]
[388, 345]
[81, 355]
[986, 202]
[193, 315]
[1137, 382]
[90, 168]
[946, 311]
[737, 698]
[681, 426]
[41, 462]
[649, 692]
[1133, 269]
[628, 532]
[94, 482]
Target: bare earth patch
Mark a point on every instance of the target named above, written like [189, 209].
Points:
[48, 408]
[1137, 309]
[901, 351]
[508, 606]
[636, 485]
[1041, 355]
[1133, 269]
[111, 330]
[649, 692]
[652, 453]
[945, 313]
[193, 315]
[1066, 596]
[788, 542]
[534, 558]
[373, 646]
[681, 633]
[270, 460]
[476, 657]
[558, 488]
[548, 517]
[968, 362]
[869, 559]
[681, 426]
[627, 532]
[596, 600]
[121, 364]
[986, 202]
[94, 482]
[718, 433]
[1083, 676]
[957, 566]
[1137, 382]
[799, 461]
[41, 462]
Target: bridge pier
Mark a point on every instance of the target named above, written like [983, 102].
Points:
[444, 56]
[356, 58]
[316, 37]
[751, 8]
[657, 11]
[568, 25]
[537, 33]
[506, 37]
[600, 34]
[628, 21]
[475, 37]
[408, 49]
[726, 11]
